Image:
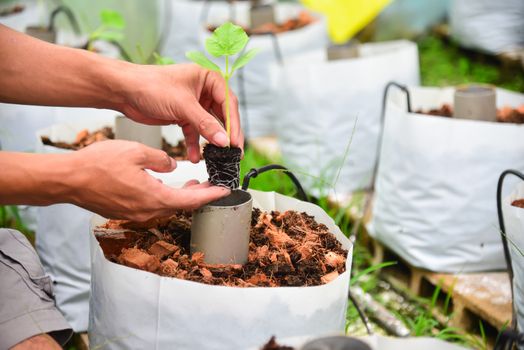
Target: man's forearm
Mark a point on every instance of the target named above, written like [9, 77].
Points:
[36, 179]
[36, 72]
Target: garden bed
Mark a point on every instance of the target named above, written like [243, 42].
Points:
[285, 249]
[84, 138]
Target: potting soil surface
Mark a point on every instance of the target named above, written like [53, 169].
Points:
[84, 138]
[273, 345]
[285, 249]
[504, 114]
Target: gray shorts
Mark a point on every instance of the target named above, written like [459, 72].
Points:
[27, 307]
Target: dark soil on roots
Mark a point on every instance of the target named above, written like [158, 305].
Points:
[504, 114]
[285, 249]
[223, 165]
[84, 138]
[273, 345]
[518, 203]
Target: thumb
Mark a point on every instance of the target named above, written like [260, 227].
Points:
[207, 125]
[156, 160]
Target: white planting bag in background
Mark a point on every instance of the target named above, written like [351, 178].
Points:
[514, 225]
[436, 185]
[487, 25]
[319, 103]
[134, 309]
[185, 24]
[62, 230]
[260, 99]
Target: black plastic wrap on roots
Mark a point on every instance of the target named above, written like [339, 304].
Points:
[223, 165]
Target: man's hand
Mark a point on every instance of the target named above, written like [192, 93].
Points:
[182, 94]
[114, 182]
[107, 177]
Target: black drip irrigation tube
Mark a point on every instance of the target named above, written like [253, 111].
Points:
[367, 202]
[70, 16]
[504, 239]
[254, 172]
[509, 339]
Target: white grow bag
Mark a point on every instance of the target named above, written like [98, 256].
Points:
[134, 309]
[62, 229]
[320, 102]
[514, 227]
[260, 98]
[436, 184]
[487, 25]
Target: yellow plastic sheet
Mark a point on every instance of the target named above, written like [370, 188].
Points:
[346, 17]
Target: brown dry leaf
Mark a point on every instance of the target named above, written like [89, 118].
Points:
[260, 220]
[252, 256]
[262, 252]
[306, 249]
[114, 224]
[334, 260]
[169, 266]
[198, 258]
[280, 217]
[329, 277]
[257, 279]
[208, 275]
[287, 258]
[277, 237]
[273, 257]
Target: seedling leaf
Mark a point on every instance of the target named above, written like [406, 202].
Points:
[107, 36]
[227, 40]
[244, 59]
[162, 60]
[112, 19]
[201, 59]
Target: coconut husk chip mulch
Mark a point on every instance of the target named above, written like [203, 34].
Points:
[85, 138]
[285, 249]
[504, 115]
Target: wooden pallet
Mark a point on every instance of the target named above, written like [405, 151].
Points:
[474, 296]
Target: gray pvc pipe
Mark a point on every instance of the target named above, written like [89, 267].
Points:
[475, 101]
[220, 229]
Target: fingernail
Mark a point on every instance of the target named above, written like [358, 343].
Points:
[220, 139]
[173, 163]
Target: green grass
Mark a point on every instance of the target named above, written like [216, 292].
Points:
[444, 63]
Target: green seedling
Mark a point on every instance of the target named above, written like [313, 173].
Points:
[226, 41]
[162, 60]
[111, 28]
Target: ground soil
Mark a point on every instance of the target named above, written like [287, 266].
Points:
[223, 165]
[504, 114]
[84, 138]
[303, 19]
[518, 203]
[285, 249]
[273, 345]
